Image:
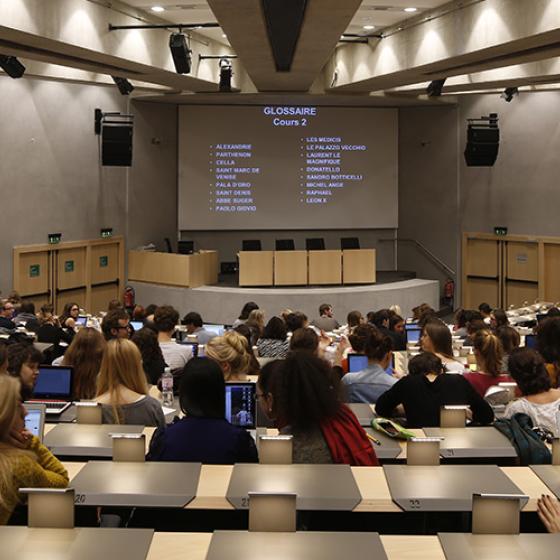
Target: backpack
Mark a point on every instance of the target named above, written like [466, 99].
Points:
[530, 449]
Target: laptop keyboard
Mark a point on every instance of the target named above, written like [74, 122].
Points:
[53, 407]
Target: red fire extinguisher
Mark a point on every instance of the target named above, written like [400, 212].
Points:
[129, 297]
[449, 291]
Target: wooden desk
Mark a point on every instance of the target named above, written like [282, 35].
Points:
[172, 269]
[178, 546]
[358, 266]
[325, 267]
[290, 268]
[256, 268]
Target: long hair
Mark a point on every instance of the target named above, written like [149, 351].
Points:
[9, 405]
[440, 336]
[121, 367]
[85, 355]
[490, 349]
[67, 312]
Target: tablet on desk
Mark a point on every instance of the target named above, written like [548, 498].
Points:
[240, 404]
[35, 419]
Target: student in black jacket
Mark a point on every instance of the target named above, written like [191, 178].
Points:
[426, 389]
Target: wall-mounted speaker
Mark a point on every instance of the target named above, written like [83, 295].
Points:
[116, 145]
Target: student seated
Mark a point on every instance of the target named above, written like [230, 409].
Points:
[548, 344]
[152, 357]
[122, 388]
[538, 400]
[436, 338]
[23, 362]
[426, 389]
[302, 395]
[175, 355]
[274, 342]
[488, 353]
[84, 355]
[203, 435]
[24, 461]
[370, 383]
[231, 352]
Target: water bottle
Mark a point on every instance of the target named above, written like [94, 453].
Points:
[167, 387]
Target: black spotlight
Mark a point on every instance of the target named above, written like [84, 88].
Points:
[510, 93]
[125, 87]
[12, 66]
[225, 75]
[180, 52]
[435, 88]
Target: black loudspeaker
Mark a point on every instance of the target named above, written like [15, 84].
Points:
[116, 145]
[180, 52]
[482, 146]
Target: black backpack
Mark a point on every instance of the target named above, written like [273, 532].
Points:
[531, 450]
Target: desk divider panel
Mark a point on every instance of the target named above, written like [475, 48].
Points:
[75, 544]
[152, 484]
[389, 448]
[472, 443]
[550, 475]
[317, 487]
[86, 440]
[445, 487]
[465, 546]
[313, 545]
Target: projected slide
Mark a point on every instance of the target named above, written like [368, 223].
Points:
[287, 167]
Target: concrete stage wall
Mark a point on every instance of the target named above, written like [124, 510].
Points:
[222, 304]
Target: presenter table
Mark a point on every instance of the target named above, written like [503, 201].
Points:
[325, 267]
[171, 269]
[256, 268]
[358, 266]
[290, 268]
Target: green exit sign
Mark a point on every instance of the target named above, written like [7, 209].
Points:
[107, 232]
[500, 230]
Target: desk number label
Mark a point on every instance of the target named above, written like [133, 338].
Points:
[245, 502]
[415, 504]
[79, 498]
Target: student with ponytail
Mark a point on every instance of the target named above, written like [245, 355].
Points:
[489, 355]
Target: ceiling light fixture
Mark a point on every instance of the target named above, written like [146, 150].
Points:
[369, 27]
[411, 10]
[157, 9]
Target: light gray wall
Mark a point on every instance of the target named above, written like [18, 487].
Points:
[428, 205]
[522, 190]
[51, 179]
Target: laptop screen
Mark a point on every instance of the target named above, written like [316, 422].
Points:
[413, 335]
[531, 341]
[54, 382]
[136, 325]
[218, 329]
[82, 320]
[357, 362]
[240, 404]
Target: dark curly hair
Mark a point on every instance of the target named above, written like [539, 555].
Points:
[19, 354]
[425, 363]
[304, 388]
[529, 372]
[377, 345]
[548, 339]
[359, 337]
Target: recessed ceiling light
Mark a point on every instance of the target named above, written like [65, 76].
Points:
[369, 27]
[224, 35]
[410, 10]
[158, 9]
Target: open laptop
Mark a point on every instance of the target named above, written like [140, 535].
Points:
[81, 320]
[241, 404]
[359, 362]
[54, 388]
[413, 335]
[35, 419]
[218, 329]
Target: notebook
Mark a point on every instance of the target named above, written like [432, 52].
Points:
[54, 388]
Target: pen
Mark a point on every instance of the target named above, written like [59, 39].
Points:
[375, 440]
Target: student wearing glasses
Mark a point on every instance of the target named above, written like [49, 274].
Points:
[69, 315]
[6, 314]
[116, 324]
